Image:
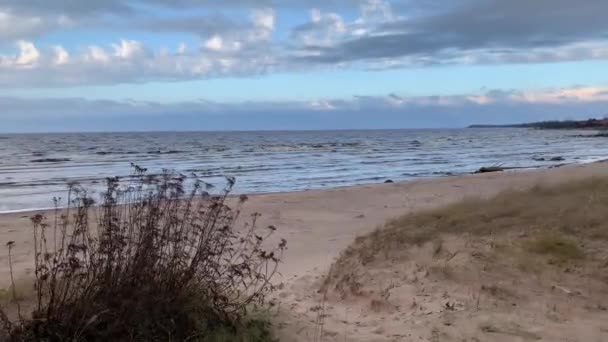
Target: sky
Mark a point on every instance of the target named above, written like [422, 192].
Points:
[135, 65]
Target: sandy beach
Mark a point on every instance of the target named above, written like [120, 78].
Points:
[318, 225]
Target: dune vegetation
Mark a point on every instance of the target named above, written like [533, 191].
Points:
[491, 267]
[551, 221]
[160, 258]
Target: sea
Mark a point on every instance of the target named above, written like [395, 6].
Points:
[34, 168]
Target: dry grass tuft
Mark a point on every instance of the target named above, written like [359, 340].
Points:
[555, 245]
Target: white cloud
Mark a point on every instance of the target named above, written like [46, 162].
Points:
[315, 15]
[96, 54]
[215, 43]
[182, 48]
[322, 105]
[26, 57]
[324, 29]
[263, 24]
[377, 11]
[327, 29]
[218, 44]
[264, 18]
[128, 49]
[129, 61]
[577, 94]
[28, 54]
[61, 55]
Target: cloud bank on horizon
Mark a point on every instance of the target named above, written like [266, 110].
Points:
[62, 45]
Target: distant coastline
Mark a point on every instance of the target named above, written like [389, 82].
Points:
[567, 124]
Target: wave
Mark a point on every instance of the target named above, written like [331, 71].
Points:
[167, 152]
[50, 160]
[103, 153]
[266, 162]
[301, 147]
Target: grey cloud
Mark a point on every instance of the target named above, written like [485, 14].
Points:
[298, 4]
[500, 94]
[68, 7]
[14, 27]
[127, 7]
[498, 26]
[199, 25]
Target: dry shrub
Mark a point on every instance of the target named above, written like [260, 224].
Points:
[152, 262]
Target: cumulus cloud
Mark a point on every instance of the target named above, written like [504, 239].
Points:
[225, 47]
[327, 29]
[96, 54]
[264, 19]
[61, 55]
[26, 57]
[28, 54]
[128, 61]
[324, 29]
[129, 49]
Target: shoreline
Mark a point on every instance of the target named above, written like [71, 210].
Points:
[319, 224]
[329, 188]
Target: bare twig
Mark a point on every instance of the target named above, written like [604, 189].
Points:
[10, 246]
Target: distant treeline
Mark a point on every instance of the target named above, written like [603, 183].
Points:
[568, 124]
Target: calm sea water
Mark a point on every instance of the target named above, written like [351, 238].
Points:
[36, 167]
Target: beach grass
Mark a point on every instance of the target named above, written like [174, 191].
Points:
[555, 245]
[535, 228]
[575, 210]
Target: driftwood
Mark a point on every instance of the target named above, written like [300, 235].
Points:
[488, 169]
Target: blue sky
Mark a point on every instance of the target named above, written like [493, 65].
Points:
[85, 65]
